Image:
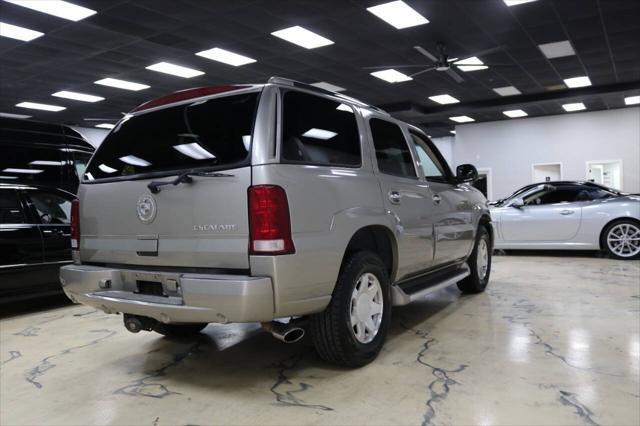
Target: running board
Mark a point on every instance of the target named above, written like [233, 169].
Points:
[405, 293]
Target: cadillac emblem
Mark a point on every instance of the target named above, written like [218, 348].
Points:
[146, 208]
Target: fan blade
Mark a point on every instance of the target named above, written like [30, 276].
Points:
[424, 52]
[396, 66]
[486, 51]
[452, 59]
[422, 72]
[454, 75]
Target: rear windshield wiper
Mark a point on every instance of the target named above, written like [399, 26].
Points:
[184, 177]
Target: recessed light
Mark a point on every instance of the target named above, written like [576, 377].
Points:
[9, 115]
[632, 100]
[105, 126]
[121, 84]
[577, 81]
[557, 49]
[444, 99]
[399, 14]
[173, 69]
[462, 119]
[515, 113]
[23, 171]
[453, 132]
[18, 33]
[43, 107]
[517, 2]
[319, 134]
[574, 107]
[391, 76]
[78, 96]
[59, 8]
[226, 57]
[328, 86]
[507, 91]
[471, 64]
[302, 37]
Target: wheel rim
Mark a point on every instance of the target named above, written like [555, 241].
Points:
[366, 308]
[624, 240]
[482, 261]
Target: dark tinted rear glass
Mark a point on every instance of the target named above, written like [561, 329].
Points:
[215, 132]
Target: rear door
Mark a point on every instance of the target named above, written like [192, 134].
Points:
[201, 223]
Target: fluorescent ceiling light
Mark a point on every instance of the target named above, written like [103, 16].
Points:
[226, 57]
[328, 86]
[8, 115]
[444, 99]
[574, 107]
[194, 150]
[557, 49]
[173, 69]
[577, 81]
[507, 91]
[59, 8]
[106, 168]
[105, 126]
[517, 2]
[391, 76]
[399, 14]
[78, 96]
[461, 119]
[18, 33]
[8, 177]
[453, 132]
[343, 107]
[46, 163]
[43, 107]
[631, 100]
[471, 64]
[121, 84]
[319, 134]
[302, 37]
[135, 161]
[515, 113]
[23, 171]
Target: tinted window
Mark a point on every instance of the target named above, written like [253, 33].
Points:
[317, 130]
[554, 195]
[21, 163]
[51, 208]
[205, 133]
[392, 151]
[429, 163]
[10, 210]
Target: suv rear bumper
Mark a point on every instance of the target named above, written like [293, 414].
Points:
[188, 297]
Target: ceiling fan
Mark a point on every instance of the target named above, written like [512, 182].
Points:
[442, 62]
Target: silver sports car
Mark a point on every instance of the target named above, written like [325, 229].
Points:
[569, 215]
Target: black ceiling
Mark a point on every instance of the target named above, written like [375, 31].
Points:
[125, 36]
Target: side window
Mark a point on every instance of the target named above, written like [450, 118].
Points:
[10, 210]
[80, 160]
[554, 195]
[319, 131]
[51, 208]
[392, 152]
[429, 163]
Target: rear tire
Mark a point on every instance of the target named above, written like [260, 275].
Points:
[352, 329]
[480, 264]
[621, 239]
[179, 330]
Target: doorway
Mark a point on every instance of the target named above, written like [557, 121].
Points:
[484, 184]
[606, 172]
[546, 172]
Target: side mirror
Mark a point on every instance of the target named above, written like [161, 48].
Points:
[466, 173]
[518, 203]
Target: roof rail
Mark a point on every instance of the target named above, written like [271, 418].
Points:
[293, 83]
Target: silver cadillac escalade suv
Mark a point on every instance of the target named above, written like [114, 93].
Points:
[278, 203]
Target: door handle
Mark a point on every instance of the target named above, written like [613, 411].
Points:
[436, 199]
[567, 212]
[394, 197]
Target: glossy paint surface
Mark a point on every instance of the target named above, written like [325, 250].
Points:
[552, 341]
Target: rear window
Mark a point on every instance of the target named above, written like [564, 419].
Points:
[212, 133]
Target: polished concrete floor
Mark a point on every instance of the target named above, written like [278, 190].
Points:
[552, 341]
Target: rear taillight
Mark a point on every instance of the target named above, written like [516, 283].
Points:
[269, 223]
[75, 225]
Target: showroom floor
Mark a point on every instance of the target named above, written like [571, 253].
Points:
[555, 340]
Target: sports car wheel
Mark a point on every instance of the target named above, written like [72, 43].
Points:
[621, 239]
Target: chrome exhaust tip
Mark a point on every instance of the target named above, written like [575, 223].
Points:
[286, 333]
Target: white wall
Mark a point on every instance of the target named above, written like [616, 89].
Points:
[93, 135]
[510, 147]
[445, 146]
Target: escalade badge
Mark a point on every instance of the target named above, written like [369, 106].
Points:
[146, 208]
